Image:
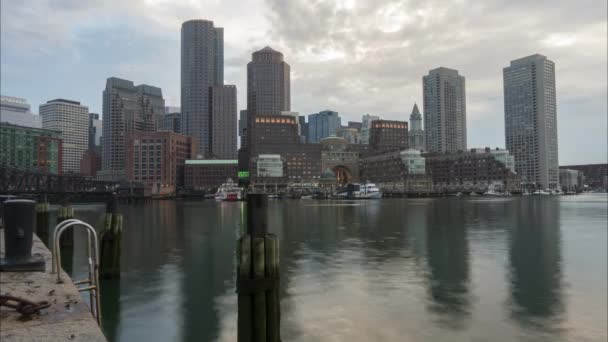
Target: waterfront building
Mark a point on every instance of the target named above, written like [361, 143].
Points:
[387, 135]
[202, 80]
[16, 111]
[126, 109]
[502, 155]
[570, 180]
[338, 157]
[594, 175]
[72, 120]
[209, 174]
[400, 172]
[531, 120]
[30, 148]
[268, 83]
[355, 125]
[366, 124]
[322, 125]
[157, 159]
[90, 163]
[269, 166]
[468, 171]
[95, 128]
[445, 113]
[416, 133]
[278, 134]
[223, 122]
[352, 135]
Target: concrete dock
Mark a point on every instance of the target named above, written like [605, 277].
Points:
[67, 319]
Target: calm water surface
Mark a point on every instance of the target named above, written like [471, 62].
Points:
[451, 269]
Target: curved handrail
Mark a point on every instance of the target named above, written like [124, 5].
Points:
[93, 264]
[57, 227]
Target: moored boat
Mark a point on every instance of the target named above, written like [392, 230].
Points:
[229, 191]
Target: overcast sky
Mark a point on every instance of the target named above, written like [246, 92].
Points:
[351, 56]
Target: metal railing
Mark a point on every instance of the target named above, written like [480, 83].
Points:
[91, 284]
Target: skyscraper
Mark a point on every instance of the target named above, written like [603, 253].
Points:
[202, 66]
[223, 122]
[322, 125]
[416, 134]
[366, 124]
[445, 111]
[126, 109]
[72, 120]
[531, 119]
[95, 127]
[268, 83]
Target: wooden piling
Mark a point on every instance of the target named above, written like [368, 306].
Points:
[66, 212]
[110, 241]
[258, 277]
[42, 222]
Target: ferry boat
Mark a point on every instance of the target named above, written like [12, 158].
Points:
[367, 191]
[229, 191]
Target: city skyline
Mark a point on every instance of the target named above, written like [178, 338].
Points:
[325, 74]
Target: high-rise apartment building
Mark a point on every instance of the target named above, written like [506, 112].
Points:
[268, 83]
[243, 127]
[202, 66]
[416, 134]
[16, 111]
[72, 120]
[445, 113]
[322, 125]
[223, 122]
[531, 119]
[366, 124]
[126, 109]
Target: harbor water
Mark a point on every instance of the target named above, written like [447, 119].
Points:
[439, 269]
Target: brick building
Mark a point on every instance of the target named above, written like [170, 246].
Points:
[388, 135]
[473, 170]
[157, 159]
[397, 172]
[90, 163]
[208, 174]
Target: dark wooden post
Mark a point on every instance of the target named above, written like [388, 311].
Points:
[258, 277]
[66, 212]
[42, 221]
[110, 241]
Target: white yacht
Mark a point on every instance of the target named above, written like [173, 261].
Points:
[367, 191]
[229, 191]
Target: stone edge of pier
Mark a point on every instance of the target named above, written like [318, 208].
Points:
[67, 319]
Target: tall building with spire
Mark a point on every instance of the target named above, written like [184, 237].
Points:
[445, 111]
[416, 134]
[202, 81]
[531, 119]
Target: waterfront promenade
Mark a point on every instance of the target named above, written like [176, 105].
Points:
[67, 319]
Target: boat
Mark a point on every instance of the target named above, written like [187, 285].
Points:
[229, 191]
[367, 191]
[541, 193]
[473, 194]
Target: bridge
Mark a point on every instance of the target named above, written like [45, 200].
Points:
[24, 181]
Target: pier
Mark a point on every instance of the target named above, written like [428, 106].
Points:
[68, 318]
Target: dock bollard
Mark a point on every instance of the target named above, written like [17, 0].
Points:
[258, 277]
[42, 222]
[110, 240]
[19, 222]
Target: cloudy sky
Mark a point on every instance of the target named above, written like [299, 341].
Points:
[352, 56]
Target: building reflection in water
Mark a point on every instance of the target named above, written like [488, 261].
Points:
[448, 263]
[535, 270]
[208, 265]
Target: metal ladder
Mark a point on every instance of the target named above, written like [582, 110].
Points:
[91, 283]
